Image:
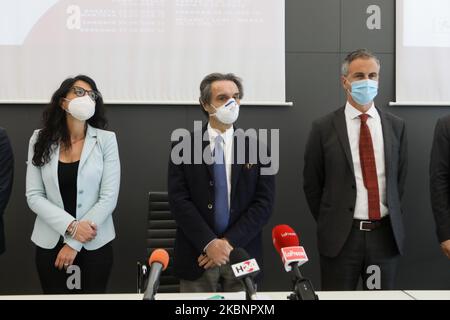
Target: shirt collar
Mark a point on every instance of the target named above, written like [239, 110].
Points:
[353, 113]
[213, 133]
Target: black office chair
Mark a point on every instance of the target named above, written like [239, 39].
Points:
[161, 232]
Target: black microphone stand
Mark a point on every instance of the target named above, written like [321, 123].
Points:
[303, 288]
[142, 277]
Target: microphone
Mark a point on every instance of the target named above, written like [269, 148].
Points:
[287, 244]
[244, 269]
[158, 261]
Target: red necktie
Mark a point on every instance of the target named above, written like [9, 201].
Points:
[369, 169]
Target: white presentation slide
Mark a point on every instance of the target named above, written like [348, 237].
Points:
[426, 23]
[423, 52]
[141, 51]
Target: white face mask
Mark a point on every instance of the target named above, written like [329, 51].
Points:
[228, 113]
[81, 108]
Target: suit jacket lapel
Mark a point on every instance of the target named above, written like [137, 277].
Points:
[236, 168]
[341, 128]
[89, 143]
[387, 134]
[206, 144]
[54, 162]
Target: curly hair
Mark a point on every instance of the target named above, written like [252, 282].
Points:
[55, 128]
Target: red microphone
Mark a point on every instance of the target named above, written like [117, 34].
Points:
[286, 242]
[293, 255]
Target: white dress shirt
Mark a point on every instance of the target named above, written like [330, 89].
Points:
[227, 137]
[376, 132]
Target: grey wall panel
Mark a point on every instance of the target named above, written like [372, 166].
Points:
[356, 34]
[312, 26]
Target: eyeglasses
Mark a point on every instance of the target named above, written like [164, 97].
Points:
[81, 92]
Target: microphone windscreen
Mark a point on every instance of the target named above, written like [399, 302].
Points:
[238, 255]
[284, 236]
[161, 256]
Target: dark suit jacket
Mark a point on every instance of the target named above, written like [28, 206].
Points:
[329, 180]
[6, 179]
[191, 198]
[440, 178]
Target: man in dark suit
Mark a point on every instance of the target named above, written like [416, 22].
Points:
[440, 182]
[6, 180]
[354, 175]
[219, 202]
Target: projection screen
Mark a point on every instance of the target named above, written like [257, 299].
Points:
[141, 51]
[423, 52]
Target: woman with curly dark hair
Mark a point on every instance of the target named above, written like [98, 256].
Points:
[72, 184]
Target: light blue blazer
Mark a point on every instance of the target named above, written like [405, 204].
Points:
[98, 185]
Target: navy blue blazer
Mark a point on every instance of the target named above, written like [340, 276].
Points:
[6, 179]
[191, 198]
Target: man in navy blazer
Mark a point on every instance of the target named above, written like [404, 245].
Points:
[216, 210]
[6, 179]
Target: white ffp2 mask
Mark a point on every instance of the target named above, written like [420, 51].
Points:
[228, 113]
[81, 108]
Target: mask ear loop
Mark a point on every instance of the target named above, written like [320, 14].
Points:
[215, 109]
[66, 110]
[346, 89]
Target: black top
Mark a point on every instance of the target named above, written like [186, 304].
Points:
[67, 179]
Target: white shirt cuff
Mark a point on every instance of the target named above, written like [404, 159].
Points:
[204, 249]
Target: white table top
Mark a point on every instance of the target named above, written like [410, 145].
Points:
[429, 294]
[281, 295]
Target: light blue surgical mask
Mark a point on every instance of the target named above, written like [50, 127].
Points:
[364, 91]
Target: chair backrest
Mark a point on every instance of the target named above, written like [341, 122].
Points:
[161, 234]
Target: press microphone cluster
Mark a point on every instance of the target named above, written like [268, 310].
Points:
[287, 244]
[158, 262]
[244, 268]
